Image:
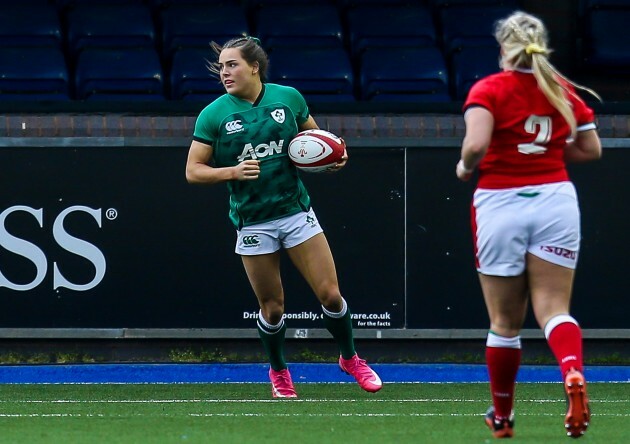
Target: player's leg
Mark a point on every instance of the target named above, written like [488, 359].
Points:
[500, 230]
[263, 272]
[314, 260]
[259, 245]
[309, 251]
[506, 301]
[551, 288]
[551, 261]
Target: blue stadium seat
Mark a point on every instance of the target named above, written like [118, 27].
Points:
[320, 74]
[300, 26]
[109, 25]
[471, 64]
[156, 4]
[119, 74]
[33, 73]
[30, 25]
[605, 40]
[374, 26]
[190, 78]
[511, 4]
[404, 74]
[590, 4]
[469, 26]
[196, 25]
[65, 4]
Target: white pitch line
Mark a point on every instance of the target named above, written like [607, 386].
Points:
[265, 401]
[295, 415]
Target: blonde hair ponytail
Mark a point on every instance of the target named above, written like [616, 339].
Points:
[523, 39]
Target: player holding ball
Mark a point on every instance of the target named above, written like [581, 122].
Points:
[242, 139]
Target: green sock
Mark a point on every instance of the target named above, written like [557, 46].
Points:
[272, 337]
[340, 326]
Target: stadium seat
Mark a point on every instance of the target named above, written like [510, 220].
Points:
[404, 74]
[300, 26]
[196, 25]
[109, 25]
[190, 78]
[119, 74]
[156, 4]
[604, 42]
[30, 25]
[374, 26]
[471, 64]
[320, 74]
[511, 4]
[33, 73]
[469, 26]
[65, 4]
[594, 4]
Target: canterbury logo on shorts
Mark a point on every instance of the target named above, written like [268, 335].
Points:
[250, 241]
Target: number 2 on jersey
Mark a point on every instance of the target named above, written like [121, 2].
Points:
[541, 127]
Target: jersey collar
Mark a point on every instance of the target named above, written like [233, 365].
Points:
[260, 96]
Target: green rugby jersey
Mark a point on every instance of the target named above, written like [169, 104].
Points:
[238, 130]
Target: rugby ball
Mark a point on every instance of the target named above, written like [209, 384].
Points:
[316, 150]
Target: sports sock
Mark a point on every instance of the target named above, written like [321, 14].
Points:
[503, 357]
[564, 337]
[340, 327]
[272, 337]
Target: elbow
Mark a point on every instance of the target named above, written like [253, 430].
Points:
[476, 149]
[599, 152]
[190, 177]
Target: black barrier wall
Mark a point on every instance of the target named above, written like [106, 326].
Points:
[114, 237]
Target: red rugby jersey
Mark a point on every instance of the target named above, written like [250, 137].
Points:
[529, 136]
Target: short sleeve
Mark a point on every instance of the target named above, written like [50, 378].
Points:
[584, 115]
[299, 106]
[205, 131]
[480, 95]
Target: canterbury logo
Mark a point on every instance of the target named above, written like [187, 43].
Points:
[234, 126]
[251, 241]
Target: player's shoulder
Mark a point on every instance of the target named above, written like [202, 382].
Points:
[276, 91]
[220, 102]
[217, 110]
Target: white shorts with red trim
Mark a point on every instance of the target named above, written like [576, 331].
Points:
[543, 220]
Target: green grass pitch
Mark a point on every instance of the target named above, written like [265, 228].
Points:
[324, 413]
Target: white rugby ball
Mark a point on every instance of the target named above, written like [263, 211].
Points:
[316, 150]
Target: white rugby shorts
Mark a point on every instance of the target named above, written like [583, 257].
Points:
[543, 220]
[286, 232]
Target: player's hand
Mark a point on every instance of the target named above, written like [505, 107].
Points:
[339, 165]
[247, 170]
[463, 173]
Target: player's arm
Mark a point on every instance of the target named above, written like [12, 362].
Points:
[198, 170]
[311, 124]
[308, 124]
[479, 127]
[585, 147]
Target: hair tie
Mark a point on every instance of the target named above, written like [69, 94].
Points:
[534, 48]
[254, 39]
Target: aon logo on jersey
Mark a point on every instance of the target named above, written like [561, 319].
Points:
[260, 151]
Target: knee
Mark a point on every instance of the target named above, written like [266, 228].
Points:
[506, 327]
[272, 311]
[331, 299]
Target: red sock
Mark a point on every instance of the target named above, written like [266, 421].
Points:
[502, 365]
[565, 341]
